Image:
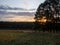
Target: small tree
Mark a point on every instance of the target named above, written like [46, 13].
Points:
[50, 9]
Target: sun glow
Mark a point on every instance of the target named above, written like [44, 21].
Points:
[43, 20]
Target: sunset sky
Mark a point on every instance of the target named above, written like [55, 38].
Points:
[10, 10]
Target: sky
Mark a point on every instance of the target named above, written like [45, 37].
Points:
[13, 10]
[28, 4]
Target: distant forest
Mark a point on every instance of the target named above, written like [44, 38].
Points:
[17, 25]
[28, 26]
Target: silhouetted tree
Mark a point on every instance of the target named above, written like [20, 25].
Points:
[50, 9]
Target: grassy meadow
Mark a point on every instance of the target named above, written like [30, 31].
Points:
[17, 37]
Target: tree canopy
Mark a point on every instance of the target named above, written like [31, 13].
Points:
[49, 8]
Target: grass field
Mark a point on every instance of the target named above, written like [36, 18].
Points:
[13, 37]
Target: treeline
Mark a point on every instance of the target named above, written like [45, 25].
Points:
[17, 25]
[30, 26]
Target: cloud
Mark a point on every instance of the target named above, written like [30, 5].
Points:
[11, 8]
[8, 10]
[16, 14]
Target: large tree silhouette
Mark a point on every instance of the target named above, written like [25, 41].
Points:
[50, 10]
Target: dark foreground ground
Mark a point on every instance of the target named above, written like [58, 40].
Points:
[22, 33]
[18, 37]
